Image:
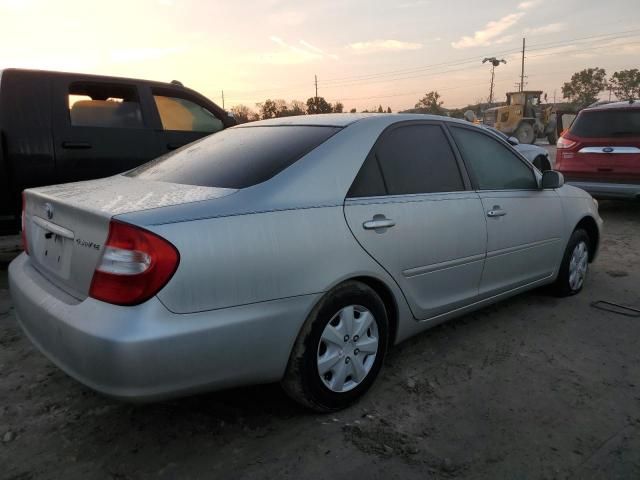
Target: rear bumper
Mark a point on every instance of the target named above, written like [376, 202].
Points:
[146, 352]
[609, 190]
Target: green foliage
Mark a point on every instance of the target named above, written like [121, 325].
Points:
[318, 105]
[626, 84]
[430, 103]
[585, 86]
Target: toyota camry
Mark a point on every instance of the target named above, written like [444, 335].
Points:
[294, 250]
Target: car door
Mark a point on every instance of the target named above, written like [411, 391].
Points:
[100, 127]
[524, 222]
[184, 118]
[410, 208]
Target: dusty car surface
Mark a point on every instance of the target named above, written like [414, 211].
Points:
[295, 250]
[600, 153]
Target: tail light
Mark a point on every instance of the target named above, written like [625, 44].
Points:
[135, 265]
[23, 225]
[564, 143]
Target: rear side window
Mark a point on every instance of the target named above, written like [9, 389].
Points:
[235, 157]
[180, 114]
[104, 105]
[607, 124]
[493, 165]
[409, 159]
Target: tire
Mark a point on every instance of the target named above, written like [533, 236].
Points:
[541, 163]
[324, 336]
[575, 260]
[525, 133]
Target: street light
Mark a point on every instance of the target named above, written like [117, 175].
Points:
[494, 63]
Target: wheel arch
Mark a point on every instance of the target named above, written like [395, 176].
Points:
[389, 300]
[589, 225]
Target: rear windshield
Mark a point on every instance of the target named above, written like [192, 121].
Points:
[236, 157]
[607, 124]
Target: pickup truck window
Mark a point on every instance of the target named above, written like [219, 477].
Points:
[104, 105]
[180, 114]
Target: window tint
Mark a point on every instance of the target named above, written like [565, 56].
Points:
[494, 166]
[235, 157]
[104, 105]
[368, 182]
[418, 159]
[607, 124]
[186, 116]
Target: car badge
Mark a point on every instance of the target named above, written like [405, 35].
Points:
[48, 208]
[607, 149]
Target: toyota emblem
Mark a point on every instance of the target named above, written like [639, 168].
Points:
[48, 208]
[607, 149]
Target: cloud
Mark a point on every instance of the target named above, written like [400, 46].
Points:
[383, 46]
[289, 54]
[550, 28]
[490, 33]
[529, 4]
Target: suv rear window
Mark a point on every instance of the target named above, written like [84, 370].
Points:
[236, 157]
[607, 124]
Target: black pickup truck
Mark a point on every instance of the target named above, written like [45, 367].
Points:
[63, 127]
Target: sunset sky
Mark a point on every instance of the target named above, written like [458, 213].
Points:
[364, 52]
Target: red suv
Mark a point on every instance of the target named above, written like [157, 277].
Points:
[601, 151]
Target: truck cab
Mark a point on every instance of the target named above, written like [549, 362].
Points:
[58, 127]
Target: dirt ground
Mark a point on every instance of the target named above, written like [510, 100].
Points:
[532, 388]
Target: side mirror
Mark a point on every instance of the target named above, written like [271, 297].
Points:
[513, 141]
[552, 179]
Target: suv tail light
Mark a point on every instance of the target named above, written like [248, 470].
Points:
[23, 224]
[564, 143]
[135, 265]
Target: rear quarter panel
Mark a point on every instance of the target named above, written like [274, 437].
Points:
[242, 259]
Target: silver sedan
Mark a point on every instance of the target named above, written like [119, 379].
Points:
[295, 250]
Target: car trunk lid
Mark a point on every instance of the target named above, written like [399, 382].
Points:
[67, 225]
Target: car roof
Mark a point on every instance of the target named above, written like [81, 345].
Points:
[614, 106]
[345, 119]
[34, 72]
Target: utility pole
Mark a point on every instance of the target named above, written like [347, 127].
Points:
[522, 71]
[223, 99]
[494, 63]
[316, 76]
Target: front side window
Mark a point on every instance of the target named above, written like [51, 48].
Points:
[180, 114]
[492, 164]
[235, 157]
[104, 105]
[409, 159]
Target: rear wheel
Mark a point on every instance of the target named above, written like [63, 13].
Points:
[339, 350]
[525, 133]
[575, 264]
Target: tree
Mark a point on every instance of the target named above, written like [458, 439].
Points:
[268, 109]
[338, 107]
[353, 110]
[243, 114]
[297, 107]
[388, 109]
[585, 86]
[626, 84]
[318, 105]
[431, 103]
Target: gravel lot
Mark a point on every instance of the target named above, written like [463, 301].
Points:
[535, 387]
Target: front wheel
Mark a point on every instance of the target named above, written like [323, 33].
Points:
[339, 350]
[525, 133]
[575, 264]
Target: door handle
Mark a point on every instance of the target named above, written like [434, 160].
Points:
[496, 211]
[76, 145]
[379, 223]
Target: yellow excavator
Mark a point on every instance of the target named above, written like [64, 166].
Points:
[524, 117]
